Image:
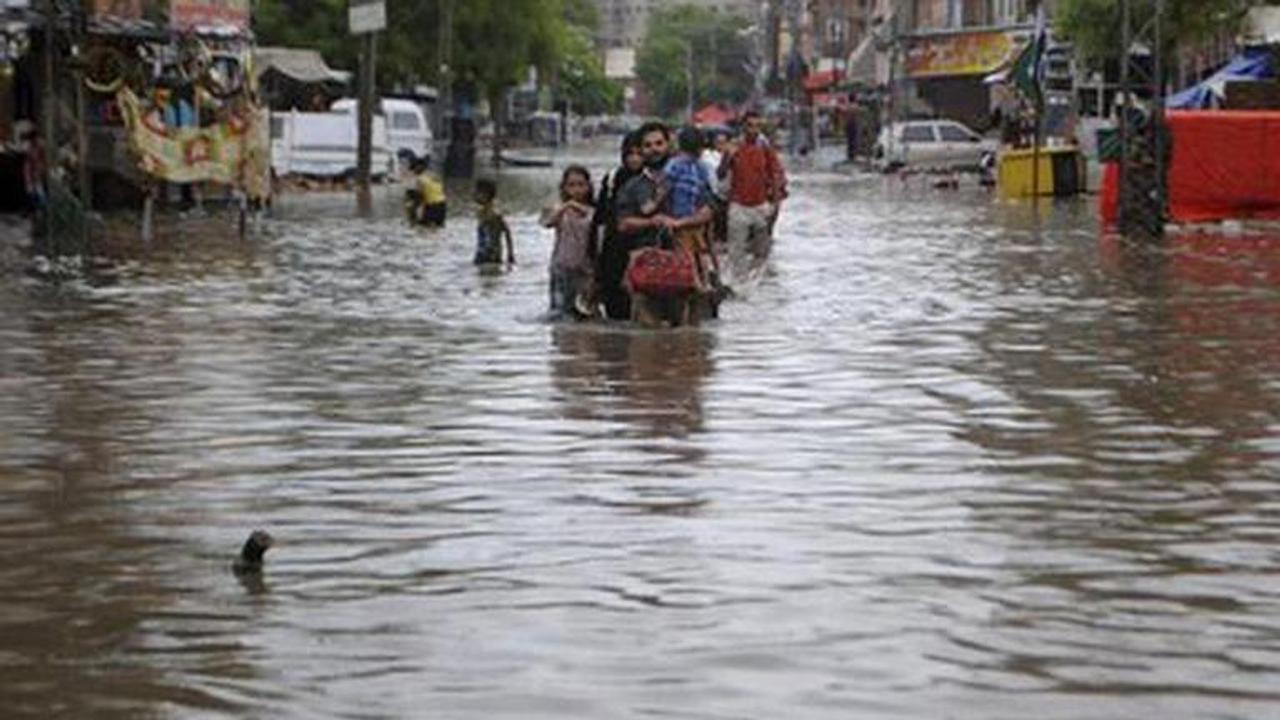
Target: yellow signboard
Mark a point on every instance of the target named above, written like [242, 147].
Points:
[965, 54]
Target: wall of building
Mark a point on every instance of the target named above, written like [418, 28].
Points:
[623, 22]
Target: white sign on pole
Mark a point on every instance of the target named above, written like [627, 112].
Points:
[366, 16]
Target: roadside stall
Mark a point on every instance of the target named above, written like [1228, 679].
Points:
[17, 101]
[173, 106]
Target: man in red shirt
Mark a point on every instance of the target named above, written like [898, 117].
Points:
[757, 187]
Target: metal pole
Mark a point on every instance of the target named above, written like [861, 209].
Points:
[688, 75]
[48, 108]
[1126, 38]
[1157, 112]
[364, 151]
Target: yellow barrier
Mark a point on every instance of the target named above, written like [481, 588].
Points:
[1062, 172]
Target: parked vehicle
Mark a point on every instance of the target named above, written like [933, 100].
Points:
[930, 144]
[408, 133]
[324, 145]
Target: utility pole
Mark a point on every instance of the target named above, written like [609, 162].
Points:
[444, 94]
[688, 80]
[48, 109]
[366, 17]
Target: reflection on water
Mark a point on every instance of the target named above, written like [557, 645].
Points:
[951, 453]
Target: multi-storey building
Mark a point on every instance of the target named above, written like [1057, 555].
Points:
[940, 51]
[623, 22]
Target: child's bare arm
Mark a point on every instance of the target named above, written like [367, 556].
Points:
[511, 248]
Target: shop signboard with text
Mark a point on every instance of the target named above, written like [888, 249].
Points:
[187, 14]
[963, 54]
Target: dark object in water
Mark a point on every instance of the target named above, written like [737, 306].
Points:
[250, 560]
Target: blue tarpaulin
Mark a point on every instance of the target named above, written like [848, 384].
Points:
[1254, 64]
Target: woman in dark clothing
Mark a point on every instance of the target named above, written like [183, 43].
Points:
[614, 255]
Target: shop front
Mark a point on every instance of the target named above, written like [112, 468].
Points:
[946, 72]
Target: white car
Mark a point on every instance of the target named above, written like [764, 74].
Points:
[408, 133]
[931, 144]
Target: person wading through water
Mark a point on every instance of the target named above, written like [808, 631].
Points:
[757, 187]
[615, 253]
[643, 223]
[689, 205]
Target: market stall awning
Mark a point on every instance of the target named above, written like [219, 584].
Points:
[821, 80]
[830, 99]
[1251, 65]
[304, 66]
[860, 69]
[713, 114]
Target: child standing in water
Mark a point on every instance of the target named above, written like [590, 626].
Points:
[573, 256]
[491, 227]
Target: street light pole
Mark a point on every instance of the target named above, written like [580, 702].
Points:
[364, 152]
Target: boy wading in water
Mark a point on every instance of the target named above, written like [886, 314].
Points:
[425, 201]
[572, 261]
[688, 204]
[491, 227]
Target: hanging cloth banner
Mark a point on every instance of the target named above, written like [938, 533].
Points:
[188, 14]
[233, 152]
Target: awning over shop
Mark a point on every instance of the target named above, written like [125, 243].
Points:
[860, 68]
[821, 80]
[830, 100]
[1251, 65]
[713, 114]
[978, 53]
[304, 66]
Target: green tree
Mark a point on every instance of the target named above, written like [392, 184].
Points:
[688, 39]
[1094, 26]
[581, 75]
[494, 41]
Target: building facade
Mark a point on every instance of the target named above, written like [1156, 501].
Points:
[946, 48]
[623, 22]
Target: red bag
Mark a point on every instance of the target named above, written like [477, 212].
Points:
[662, 273]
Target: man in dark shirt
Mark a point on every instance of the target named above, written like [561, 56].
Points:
[641, 200]
[642, 219]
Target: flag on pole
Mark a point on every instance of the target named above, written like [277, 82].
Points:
[1028, 70]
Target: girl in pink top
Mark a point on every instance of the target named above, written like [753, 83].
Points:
[573, 256]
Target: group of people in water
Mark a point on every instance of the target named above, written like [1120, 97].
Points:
[664, 235]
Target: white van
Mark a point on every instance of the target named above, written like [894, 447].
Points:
[408, 133]
[325, 145]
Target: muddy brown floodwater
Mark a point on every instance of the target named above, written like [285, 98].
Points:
[952, 458]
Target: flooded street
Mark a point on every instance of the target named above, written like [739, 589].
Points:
[951, 459]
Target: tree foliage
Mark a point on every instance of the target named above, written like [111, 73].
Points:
[495, 42]
[688, 37]
[1094, 26]
[582, 79]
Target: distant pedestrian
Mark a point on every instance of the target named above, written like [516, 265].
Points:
[34, 169]
[851, 137]
[572, 257]
[757, 187]
[491, 227]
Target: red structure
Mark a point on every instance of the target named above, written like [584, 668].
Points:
[1225, 165]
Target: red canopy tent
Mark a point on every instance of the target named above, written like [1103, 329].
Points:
[713, 114]
[821, 80]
